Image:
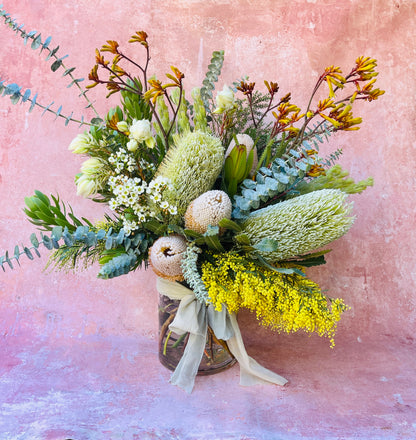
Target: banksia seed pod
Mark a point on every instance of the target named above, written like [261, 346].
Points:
[208, 209]
[165, 257]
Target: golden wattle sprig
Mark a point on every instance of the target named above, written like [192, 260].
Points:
[118, 79]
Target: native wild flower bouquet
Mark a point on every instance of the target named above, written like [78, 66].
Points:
[226, 198]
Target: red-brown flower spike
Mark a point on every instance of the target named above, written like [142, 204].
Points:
[246, 88]
[272, 87]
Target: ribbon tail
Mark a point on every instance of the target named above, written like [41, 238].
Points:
[187, 369]
[251, 372]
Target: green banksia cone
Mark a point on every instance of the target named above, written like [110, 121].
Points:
[192, 165]
[300, 225]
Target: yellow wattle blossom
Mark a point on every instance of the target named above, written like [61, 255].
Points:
[282, 302]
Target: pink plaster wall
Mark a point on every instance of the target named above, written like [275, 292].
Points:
[372, 267]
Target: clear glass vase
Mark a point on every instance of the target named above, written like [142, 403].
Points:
[216, 357]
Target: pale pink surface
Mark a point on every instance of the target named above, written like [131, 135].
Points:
[79, 355]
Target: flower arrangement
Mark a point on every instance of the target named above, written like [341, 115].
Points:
[225, 197]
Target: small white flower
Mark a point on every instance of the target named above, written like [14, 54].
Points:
[156, 197]
[141, 217]
[173, 210]
[112, 204]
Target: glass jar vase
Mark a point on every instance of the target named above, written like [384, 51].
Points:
[216, 357]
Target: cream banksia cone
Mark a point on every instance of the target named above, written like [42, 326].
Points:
[192, 166]
[208, 209]
[301, 224]
[165, 257]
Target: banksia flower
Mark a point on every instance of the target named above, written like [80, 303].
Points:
[207, 209]
[302, 224]
[192, 166]
[165, 257]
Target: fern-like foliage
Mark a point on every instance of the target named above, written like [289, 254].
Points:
[18, 94]
[211, 77]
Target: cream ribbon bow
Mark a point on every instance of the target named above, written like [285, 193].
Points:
[194, 317]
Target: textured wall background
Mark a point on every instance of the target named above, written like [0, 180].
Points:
[372, 267]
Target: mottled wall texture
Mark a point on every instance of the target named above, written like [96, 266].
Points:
[291, 42]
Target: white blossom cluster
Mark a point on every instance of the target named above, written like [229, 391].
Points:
[122, 160]
[133, 194]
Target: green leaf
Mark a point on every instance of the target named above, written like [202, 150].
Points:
[230, 224]
[33, 103]
[266, 245]
[43, 197]
[191, 233]
[7, 260]
[57, 232]
[52, 53]
[34, 240]
[68, 71]
[243, 239]
[28, 253]
[36, 42]
[155, 226]
[47, 242]
[213, 242]
[46, 43]
[175, 228]
[56, 65]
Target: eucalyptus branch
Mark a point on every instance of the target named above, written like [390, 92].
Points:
[36, 43]
[14, 91]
